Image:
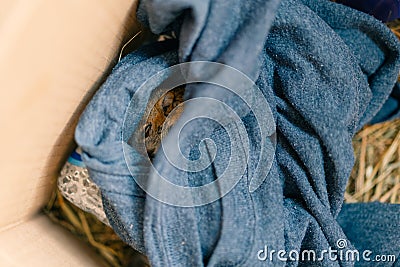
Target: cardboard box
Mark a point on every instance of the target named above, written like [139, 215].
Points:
[53, 55]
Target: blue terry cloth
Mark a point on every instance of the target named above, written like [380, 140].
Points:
[373, 226]
[325, 70]
[391, 108]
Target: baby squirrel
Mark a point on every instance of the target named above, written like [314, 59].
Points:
[158, 123]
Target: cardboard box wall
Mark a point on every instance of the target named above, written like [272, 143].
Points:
[52, 57]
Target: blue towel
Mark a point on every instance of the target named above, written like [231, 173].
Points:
[324, 69]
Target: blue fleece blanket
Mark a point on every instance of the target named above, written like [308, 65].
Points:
[324, 70]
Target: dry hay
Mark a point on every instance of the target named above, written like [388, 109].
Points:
[376, 173]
